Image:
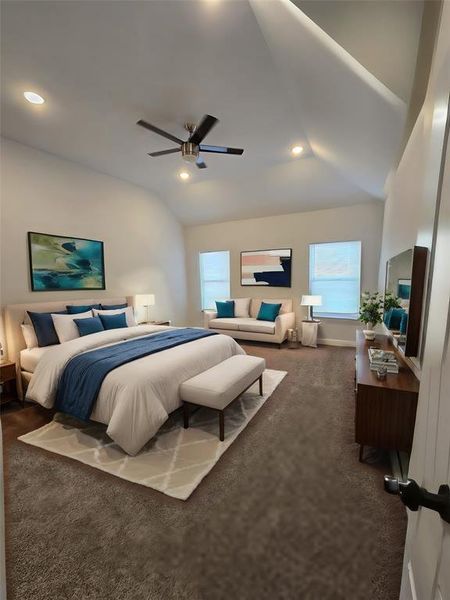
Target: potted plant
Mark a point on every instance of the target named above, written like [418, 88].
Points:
[371, 312]
[391, 301]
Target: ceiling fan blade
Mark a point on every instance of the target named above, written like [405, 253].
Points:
[200, 163]
[163, 152]
[204, 127]
[159, 131]
[221, 149]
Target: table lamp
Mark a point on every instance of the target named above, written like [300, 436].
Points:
[144, 301]
[311, 301]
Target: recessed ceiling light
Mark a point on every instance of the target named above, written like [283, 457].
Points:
[296, 150]
[34, 98]
[184, 175]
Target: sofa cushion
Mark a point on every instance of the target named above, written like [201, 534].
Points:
[268, 312]
[255, 326]
[286, 305]
[224, 324]
[241, 307]
[225, 310]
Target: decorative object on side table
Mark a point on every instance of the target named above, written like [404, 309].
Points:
[309, 333]
[7, 382]
[311, 301]
[371, 312]
[141, 302]
[292, 335]
[59, 263]
[167, 322]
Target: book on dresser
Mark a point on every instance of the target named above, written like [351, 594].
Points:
[379, 358]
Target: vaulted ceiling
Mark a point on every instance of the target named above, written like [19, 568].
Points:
[273, 76]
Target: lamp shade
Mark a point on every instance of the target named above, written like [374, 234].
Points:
[144, 300]
[311, 301]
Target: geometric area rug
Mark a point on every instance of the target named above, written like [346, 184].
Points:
[175, 460]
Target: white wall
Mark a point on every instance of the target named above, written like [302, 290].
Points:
[143, 242]
[412, 191]
[296, 231]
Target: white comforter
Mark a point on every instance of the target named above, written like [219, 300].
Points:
[136, 398]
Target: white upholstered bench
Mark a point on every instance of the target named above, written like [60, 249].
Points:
[221, 385]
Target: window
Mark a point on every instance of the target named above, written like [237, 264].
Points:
[335, 274]
[214, 277]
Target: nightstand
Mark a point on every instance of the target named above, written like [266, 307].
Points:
[168, 322]
[8, 382]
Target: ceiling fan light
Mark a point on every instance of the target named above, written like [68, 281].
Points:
[296, 150]
[189, 152]
[34, 98]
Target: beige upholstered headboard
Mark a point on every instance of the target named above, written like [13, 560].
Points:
[16, 314]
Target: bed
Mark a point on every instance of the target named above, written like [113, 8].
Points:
[135, 399]
[29, 359]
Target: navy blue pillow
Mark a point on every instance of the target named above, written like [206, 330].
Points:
[44, 328]
[89, 325]
[225, 310]
[114, 321]
[75, 310]
[114, 306]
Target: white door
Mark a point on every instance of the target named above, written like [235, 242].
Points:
[426, 574]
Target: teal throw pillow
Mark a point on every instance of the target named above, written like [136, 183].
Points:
[225, 310]
[268, 312]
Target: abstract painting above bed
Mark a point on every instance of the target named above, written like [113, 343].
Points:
[65, 263]
[270, 268]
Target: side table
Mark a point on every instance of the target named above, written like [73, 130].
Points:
[309, 333]
[8, 382]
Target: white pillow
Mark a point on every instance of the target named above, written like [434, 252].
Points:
[129, 314]
[29, 335]
[241, 307]
[65, 328]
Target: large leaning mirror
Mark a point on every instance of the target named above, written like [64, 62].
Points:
[404, 289]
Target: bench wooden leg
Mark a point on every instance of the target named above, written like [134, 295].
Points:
[221, 425]
[261, 386]
[186, 414]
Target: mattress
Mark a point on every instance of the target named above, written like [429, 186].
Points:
[30, 358]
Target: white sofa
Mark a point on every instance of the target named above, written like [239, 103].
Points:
[249, 328]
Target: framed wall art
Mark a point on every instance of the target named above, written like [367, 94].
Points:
[270, 268]
[60, 263]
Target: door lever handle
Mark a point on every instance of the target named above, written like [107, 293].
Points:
[413, 496]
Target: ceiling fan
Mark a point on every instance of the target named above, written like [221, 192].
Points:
[191, 148]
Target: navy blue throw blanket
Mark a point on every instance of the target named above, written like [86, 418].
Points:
[83, 376]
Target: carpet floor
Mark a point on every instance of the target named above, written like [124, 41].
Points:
[288, 513]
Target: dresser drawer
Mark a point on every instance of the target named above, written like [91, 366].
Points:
[7, 373]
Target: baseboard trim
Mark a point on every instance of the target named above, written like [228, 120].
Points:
[332, 342]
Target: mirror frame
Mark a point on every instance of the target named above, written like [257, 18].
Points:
[418, 271]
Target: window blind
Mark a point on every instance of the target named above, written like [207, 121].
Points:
[335, 274]
[214, 277]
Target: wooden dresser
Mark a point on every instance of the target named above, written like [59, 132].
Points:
[385, 410]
